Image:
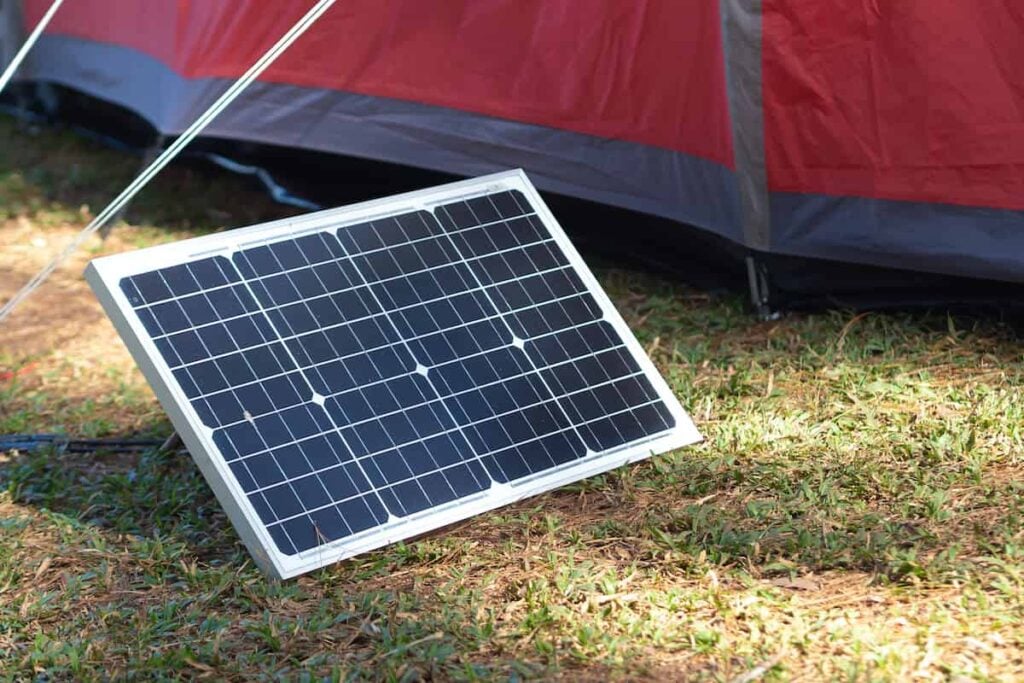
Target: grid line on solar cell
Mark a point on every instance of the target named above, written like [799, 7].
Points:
[426, 335]
[215, 356]
[396, 502]
[463, 424]
[327, 295]
[617, 351]
[358, 376]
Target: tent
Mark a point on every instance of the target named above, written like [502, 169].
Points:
[882, 134]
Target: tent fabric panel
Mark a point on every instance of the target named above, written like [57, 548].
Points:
[946, 239]
[741, 26]
[917, 100]
[639, 177]
[645, 71]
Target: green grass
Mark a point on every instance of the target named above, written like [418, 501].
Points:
[855, 512]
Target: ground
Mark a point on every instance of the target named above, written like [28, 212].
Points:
[854, 512]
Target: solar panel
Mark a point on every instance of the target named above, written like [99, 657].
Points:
[362, 375]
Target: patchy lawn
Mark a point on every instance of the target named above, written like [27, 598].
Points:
[855, 512]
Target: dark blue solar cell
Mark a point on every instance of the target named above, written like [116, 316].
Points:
[359, 238]
[244, 331]
[331, 378]
[329, 523]
[214, 272]
[188, 346]
[506, 465]
[288, 254]
[343, 340]
[397, 294]
[404, 259]
[491, 270]
[483, 210]
[467, 479]
[459, 214]
[266, 514]
[418, 225]
[411, 497]
[235, 369]
[167, 352]
[186, 382]
[283, 501]
[449, 448]
[344, 481]
[293, 319]
[303, 533]
[325, 450]
[253, 398]
[349, 406]
[216, 340]
[362, 513]
[319, 247]
[225, 408]
[281, 540]
[179, 280]
[198, 310]
[510, 204]
[149, 322]
[264, 469]
[425, 286]
[311, 492]
[355, 304]
[282, 391]
[454, 279]
[238, 440]
[256, 262]
[433, 254]
[369, 437]
[170, 317]
[151, 287]
[245, 480]
[307, 283]
[311, 349]
[430, 419]
[391, 466]
[398, 428]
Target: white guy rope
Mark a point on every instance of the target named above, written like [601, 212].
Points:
[32, 38]
[172, 151]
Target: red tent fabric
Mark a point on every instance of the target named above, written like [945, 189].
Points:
[880, 133]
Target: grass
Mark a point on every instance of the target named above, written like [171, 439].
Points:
[855, 512]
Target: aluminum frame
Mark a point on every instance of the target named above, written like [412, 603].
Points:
[104, 276]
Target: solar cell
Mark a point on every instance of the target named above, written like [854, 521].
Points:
[361, 375]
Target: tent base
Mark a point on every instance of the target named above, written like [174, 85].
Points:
[615, 235]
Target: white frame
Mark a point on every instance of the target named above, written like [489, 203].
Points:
[104, 275]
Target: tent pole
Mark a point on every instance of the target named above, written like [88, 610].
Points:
[757, 279]
[20, 55]
[225, 99]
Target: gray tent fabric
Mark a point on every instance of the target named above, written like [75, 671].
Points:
[11, 30]
[741, 30]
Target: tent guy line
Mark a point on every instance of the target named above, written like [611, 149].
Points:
[19, 57]
[172, 151]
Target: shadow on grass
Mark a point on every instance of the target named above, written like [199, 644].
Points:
[683, 511]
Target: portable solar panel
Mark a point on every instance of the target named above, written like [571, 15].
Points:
[357, 376]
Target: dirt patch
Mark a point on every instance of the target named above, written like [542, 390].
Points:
[59, 341]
